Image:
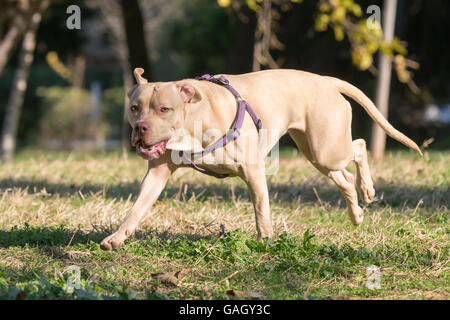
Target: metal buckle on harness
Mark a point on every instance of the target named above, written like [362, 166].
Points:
[222, 80]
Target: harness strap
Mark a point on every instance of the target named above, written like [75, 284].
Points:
[232, 134]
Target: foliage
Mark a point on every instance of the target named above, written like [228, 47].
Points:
[344, 17]
[204, 28]
[275, 260]
[112, 110]
[366, 37]
[205, 38]
[56, 64]
[67, 115]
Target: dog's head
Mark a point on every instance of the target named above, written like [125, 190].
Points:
[155, 111]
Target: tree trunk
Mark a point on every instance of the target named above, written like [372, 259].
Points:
[135, 37]
[16, 98]
[240, 55]
[136, 55]
[9, 43]
[263, 35]
[78, 69]
[378, 140]
[112, 16]
[20, 24]
[126, 129]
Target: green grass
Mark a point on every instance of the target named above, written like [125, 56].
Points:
[55, 208]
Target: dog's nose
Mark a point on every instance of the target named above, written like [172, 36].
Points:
[141, 127]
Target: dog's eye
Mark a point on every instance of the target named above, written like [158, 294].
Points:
[164, 109]
[134, 108]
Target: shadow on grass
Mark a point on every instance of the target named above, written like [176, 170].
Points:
[53, 239]
[43, 237]
[309, 191]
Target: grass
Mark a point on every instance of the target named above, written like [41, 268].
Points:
[199, 242]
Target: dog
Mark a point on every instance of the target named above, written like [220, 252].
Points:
[311, 108]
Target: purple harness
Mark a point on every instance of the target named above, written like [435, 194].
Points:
[232, 134]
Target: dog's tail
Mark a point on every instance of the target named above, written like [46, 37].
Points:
[357, 95]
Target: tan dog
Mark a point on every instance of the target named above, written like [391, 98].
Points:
[309, 107]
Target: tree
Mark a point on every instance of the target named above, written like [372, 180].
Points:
[344, 17]
[135, 37]
[16, 98]
[239, 58]
[124, 22]
[15, 18]
[378, 139]
[111, 15]
[263, 32]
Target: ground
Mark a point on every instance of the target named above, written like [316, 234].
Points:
[199, 240]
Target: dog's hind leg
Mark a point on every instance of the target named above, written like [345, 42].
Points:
[364, 182]
[342, 178]
[345, 182]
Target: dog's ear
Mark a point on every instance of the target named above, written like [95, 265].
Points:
[138, 75]
[188, 92]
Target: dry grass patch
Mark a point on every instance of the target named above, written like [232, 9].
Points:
[55, 208]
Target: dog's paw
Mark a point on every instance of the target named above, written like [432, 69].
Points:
[357, 216]
[114, 241]
[366, 191]
[368, 195]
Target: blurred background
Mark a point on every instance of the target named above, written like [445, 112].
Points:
[64, 69]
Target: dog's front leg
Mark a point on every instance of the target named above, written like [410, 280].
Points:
[154, 182]
[254, 176]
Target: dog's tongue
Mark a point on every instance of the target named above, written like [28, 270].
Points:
[152, 152]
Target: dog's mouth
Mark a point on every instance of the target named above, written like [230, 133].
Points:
[150, 152]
